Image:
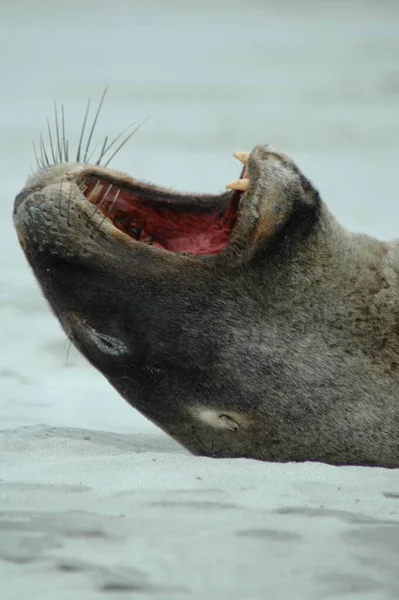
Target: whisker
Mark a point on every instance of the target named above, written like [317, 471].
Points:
[59, 198]
[68, 351]
[64, 140]
[69, 205]
[83, 131]
[38, 161]
[43, 151]
[117, 138]
[109, 188]
[113, 203]
[34, 195]
[50, 137]
[127, 138]
[107, 214]
[58, 144]
[57, 129]
[82, 188]
[93, 191]
[94, 124]
[111, 185]
[96, 210]
[91, 154]
[102, 151]
[106, 149]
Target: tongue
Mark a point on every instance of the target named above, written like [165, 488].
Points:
[167, 226]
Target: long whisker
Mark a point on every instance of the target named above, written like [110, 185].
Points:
[50, 137]
[57, 129]
[43, 151]
[69, 205]
[57, 150]
[82, 132]
[59, 198]
[107, 213]
[94, 124]
[91, 154]
[102, 150]
[127, 138]
[64, 140]
[109, 188]
[92, 194]
[93, 191]
[106, 148]
[38, 161]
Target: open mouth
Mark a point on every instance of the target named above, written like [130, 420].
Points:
[193, 224]
[173, 222]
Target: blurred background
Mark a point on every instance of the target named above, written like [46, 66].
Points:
[318, 79]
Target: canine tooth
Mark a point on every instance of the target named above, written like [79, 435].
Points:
[240, 184]
[241, 156]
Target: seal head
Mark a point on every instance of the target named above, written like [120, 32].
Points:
[245, 324]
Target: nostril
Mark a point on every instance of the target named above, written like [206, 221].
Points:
[21, 197]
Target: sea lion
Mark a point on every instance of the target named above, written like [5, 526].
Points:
[244, 324]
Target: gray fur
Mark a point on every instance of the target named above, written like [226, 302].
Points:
[282, 347]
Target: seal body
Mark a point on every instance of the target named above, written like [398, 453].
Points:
[248, 324]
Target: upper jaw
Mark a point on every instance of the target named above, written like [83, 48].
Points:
[252, 209]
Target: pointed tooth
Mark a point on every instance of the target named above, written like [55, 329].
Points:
[240, 184]
[241, 156]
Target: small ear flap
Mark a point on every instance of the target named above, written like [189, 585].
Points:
[227, 420]
[228, 423]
